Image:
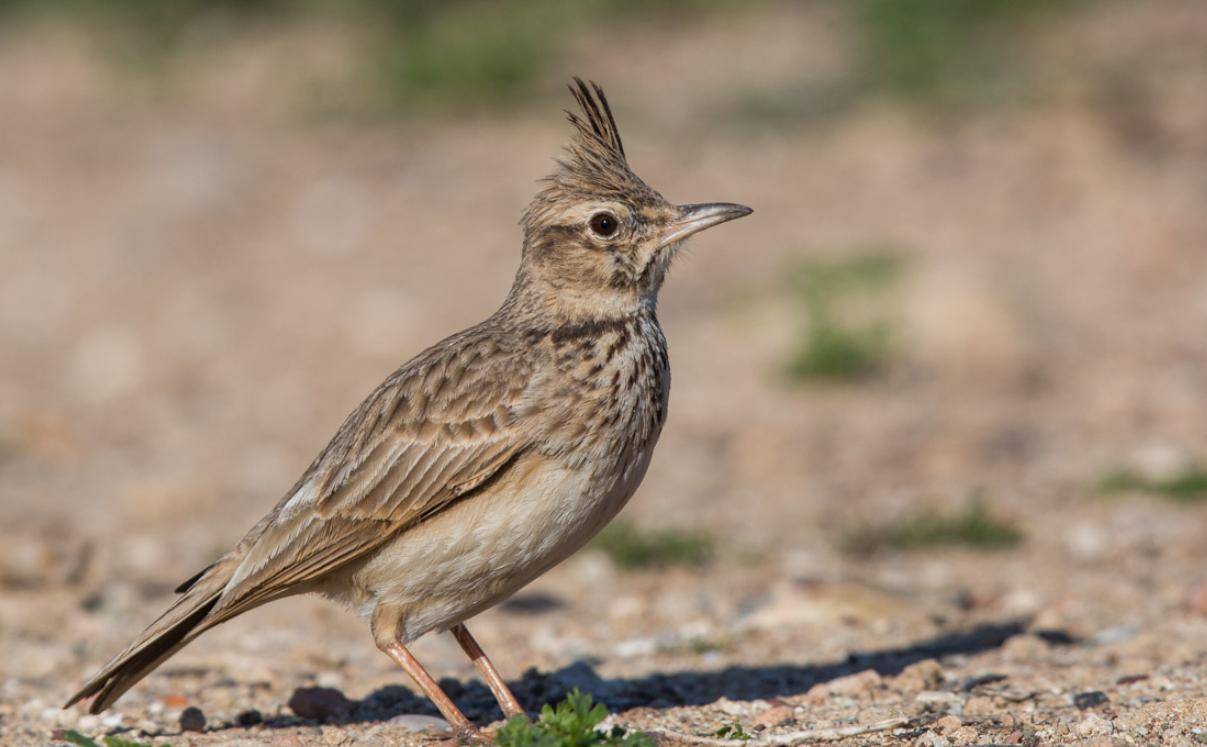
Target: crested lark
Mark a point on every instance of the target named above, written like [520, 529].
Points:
[488, 458]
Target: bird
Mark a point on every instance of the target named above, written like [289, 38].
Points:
[489, 457]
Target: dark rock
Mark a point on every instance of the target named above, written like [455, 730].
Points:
[249, 718]
[1091, 699]
[192, 719]
[318, 703]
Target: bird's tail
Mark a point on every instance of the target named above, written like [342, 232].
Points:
[187, 618]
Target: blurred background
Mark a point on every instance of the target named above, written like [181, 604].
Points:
[942, 397]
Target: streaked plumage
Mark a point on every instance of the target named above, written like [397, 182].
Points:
[489, 457]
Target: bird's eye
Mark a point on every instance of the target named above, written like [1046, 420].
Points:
[603, 224]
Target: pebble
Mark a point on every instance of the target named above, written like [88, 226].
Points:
[774, 716]
[329, 679]
[633, 648]
[979, 705]
[852, 684]
[419, 722]
[1091, 699]
[1093, 725]
[1161, 462]
[318, 703]
[249, 718]
[1117, 634]
[732, 707]
[147, 727]
[89, 722]
[922, 675]
[192, 719]
[931, 739]
[940, 699]
[1024, 647]
[947, 724]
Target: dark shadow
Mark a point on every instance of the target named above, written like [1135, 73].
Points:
[683, 688]
[532, 603]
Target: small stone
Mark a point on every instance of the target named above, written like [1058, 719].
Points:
[419, 722]
[147, 728]
[922, 675]
[931, 739]
[318, 703]
[939, 700]
[333, 736]
[979, 705]
[249, 718]
[1162, 462]
[732, 707]
[1091, 699]
[947, 724]
[88, 723]
[964, 735]
[774, 716]
[1094, 725]
[192, 719]
[329, 679]
[1024, 648]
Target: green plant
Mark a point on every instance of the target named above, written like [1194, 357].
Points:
[76, 738]
[1186, 486]
[571, 724]
[973, 525]
[630, 547]
[734, 731]
[437, 53]
[947, 51]
[411, 53]
[833, 345]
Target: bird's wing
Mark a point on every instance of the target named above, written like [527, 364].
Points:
[440, 427]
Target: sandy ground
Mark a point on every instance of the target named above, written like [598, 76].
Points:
[199, 284]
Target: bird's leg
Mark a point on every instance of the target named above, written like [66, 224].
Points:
[511, 706]
[452, 714]
[385, 634]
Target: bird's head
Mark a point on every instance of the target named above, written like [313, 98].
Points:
[597, 239]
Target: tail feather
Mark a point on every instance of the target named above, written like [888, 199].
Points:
[187, 618]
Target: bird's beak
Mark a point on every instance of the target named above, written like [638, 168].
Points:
[694, 218]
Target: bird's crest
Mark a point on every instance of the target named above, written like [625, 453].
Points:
[596, 129]
[593, 165]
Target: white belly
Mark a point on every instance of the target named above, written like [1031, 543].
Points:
[480, 551]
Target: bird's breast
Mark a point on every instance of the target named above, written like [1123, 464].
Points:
[612, 392]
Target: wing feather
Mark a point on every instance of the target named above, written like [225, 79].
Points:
[441, 426]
